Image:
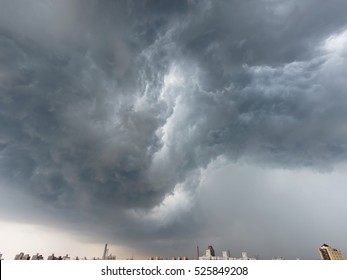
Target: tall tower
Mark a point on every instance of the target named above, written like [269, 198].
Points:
[328, 253]
[105, 254]
[211, 250]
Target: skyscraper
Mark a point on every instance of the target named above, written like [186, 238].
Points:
[211, 250]
[328, 253]
[105, 254]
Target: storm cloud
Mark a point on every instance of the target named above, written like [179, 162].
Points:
[112, 113]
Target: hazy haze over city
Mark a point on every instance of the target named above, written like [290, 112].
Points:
[157, 126]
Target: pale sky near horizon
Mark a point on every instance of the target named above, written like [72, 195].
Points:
[32, 239]
[159, 126]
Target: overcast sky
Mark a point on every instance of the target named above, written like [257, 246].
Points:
[157, 126]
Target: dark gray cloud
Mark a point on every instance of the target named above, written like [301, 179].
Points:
[114, 111]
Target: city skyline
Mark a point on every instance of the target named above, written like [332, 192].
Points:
[326, 252]
[156, 126]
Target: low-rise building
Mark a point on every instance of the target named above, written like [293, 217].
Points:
[37, 257]
[54, 258]
[22, 256]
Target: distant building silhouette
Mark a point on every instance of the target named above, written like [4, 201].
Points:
[211, 250]
[105, 254]
[37, 257]
[54, 258]
[22, 256]
[210, 255]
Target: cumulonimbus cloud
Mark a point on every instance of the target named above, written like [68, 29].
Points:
[117, 107]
